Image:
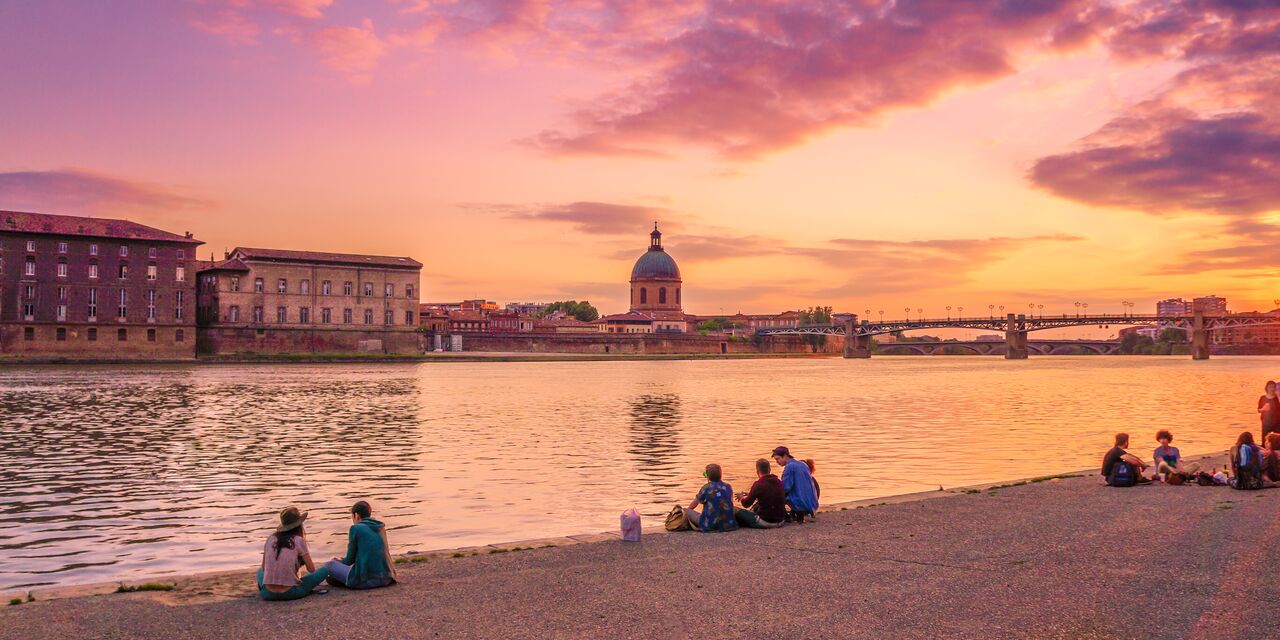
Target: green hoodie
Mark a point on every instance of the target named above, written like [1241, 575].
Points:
[367, 555]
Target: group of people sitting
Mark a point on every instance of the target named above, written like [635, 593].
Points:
[1252, 467]
[771, 502]
[367, 565]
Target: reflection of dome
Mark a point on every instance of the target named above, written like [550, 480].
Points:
[655, 263]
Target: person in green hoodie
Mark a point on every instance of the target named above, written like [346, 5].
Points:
[368, 563]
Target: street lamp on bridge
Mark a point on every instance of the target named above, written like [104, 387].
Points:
[882, 316]
[1001, 311]
[1040, 308]
[948, 312]
[919, 314]
[992, 308]
[960, 312]
[908, 312]
[1077, 309]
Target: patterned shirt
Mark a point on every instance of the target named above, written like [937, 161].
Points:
[282, 569]
[717, 507]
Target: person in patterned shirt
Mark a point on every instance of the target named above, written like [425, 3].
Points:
[716, 498]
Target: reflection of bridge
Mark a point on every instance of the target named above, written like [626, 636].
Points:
[857, 343]
[998, 347]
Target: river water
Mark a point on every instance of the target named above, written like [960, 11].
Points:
[114, 472]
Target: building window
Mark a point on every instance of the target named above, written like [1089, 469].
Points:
[677, 295]
[151, 335]
[93, 305]
[93, 251]
[61, 334]
[180, 274]
[257, 314]
[388, 317]
[62, 267]
[179, 336]
[31, 245]
[258, 287]
[151, 304]
[182, 254]
[326, 288]
[235, 283]
[124, 251]
[62, 312]
[368, 316]
[28, 311]
[122, 335]
[29, 269]
[304, 287]
[124, 270]
[408, 291]
[408, 317]
[346, 316]
[388, 290]
[326, 315]
[368, 288]
[233, 313]
[282, 314]
[644, 295]
[151, 272]
[177, 307]
[93, 270]
[151, 252]
[92, 334]
[304, 314]
[124, 304]
[662, 295]
[28, 333]
[346, 288]
[282, 286]
[62, 247]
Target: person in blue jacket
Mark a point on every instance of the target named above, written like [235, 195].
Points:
[368, 563]
[797, 483]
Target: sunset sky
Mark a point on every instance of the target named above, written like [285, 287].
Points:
[867, 154]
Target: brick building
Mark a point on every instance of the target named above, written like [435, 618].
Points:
[284, 301]
[94, 288]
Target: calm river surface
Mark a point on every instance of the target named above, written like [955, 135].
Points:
[110, 472]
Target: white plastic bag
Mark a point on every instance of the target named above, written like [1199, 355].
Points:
[630, 525]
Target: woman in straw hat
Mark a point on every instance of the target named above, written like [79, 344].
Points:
[286, 551]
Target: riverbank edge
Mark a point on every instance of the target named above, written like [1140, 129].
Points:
[177, 580]
[466, 356]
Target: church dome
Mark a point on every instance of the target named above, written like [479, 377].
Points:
[656, 263]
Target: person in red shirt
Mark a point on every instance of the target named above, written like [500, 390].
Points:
[765, 506]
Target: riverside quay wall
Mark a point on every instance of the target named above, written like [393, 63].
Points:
[643, 343]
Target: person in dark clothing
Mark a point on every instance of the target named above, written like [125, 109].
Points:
[1117, 453]
[765, 506]
[368, 563]
[1269, 410]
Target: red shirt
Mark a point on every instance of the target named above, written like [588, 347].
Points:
[773, 500]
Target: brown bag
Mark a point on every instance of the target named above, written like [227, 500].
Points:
[677, 521]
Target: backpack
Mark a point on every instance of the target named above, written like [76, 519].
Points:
[677, 520]
[1122, 474]
[1248, 469]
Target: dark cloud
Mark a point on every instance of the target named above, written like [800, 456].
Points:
[79, 191]
[601, 218]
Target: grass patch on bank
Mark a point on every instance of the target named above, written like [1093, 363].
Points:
[149, 586]
[414, 559]
[1031, 481]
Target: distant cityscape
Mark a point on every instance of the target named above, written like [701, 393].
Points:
[75, 287]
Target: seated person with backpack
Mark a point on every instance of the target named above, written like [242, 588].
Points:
[1121, 468]
[766, 503]
[1246, 463]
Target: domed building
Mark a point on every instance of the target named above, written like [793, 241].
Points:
[655, 287]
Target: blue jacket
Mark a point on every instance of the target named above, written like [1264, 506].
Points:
[798, 485]
[367, 555]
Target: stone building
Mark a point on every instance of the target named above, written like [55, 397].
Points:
[74, 287]
[284, 301]
[655, 287]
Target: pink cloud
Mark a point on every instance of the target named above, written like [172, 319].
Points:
[600, 218]
[79, 191]
[354, 51]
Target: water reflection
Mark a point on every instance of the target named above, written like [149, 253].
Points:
[655, 442]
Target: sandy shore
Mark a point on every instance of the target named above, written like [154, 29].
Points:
[1063, 558]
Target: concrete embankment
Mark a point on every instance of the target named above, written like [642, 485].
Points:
[1062, 558]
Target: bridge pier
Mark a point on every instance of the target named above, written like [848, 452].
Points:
[1015, 340]
[855, 346]
[1199, 337]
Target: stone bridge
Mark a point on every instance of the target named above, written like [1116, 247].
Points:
[999, 347]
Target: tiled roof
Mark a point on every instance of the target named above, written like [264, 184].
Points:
[234, 264]
[321, 256]
[628, 317]
[25, 222]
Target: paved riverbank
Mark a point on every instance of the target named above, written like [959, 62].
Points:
[1057, 559]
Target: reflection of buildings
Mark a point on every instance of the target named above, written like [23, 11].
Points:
[655, 439]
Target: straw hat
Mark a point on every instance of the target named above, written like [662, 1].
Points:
[291, 518]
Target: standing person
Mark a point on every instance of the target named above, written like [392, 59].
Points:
[798, 485]
[765, 506]
[717, 500]
[1121, 468]
[1269, 409]
[1168, 460]
[813, 470]
[286, 551]
[368, 563]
